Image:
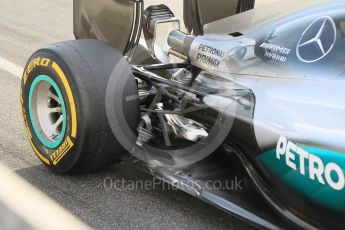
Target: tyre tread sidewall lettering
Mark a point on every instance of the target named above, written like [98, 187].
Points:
[44, 62]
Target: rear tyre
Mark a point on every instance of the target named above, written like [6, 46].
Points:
[63, 106]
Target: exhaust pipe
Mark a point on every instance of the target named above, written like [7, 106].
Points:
[180, 42]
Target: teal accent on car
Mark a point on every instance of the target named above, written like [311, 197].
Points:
[311, 189]
[48, 144]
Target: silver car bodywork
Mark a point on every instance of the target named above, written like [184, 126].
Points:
[278, 73]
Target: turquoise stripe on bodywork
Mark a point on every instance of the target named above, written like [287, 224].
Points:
[311, 189]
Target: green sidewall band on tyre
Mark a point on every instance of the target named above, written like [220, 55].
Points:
[34, 122]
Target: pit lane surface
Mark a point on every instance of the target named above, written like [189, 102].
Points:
[24, 27]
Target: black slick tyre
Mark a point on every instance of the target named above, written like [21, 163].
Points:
[63, 105]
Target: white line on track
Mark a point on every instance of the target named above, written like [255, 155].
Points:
[11, 68]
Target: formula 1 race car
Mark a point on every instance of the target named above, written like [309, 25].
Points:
[234, 94]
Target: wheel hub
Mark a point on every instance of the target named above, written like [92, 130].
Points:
[47, 111]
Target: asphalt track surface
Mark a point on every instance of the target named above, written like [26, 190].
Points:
[24, 27]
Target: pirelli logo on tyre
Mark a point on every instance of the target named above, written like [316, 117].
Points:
[61, 151]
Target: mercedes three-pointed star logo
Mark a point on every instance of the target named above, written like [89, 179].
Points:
[317, 40]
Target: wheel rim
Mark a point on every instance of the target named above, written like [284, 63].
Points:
[47, 111]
